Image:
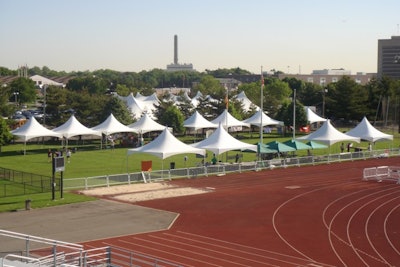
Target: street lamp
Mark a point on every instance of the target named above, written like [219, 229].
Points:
[294, 114]
[324, 91]
[16, 97]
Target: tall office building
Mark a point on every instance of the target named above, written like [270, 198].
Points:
[389, 58]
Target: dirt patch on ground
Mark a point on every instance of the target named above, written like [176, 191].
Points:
[143, 192]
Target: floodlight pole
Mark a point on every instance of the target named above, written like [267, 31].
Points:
[261, 106]
[294, 114]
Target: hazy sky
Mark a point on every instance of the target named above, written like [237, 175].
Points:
[133, 35]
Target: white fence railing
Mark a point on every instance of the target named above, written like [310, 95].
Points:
[221, 168]
[382, 173]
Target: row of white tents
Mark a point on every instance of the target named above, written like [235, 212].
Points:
[219, 142]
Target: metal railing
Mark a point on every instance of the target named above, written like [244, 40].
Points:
[74, 255]
[220, 169]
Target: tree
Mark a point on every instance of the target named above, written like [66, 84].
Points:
[172, 117]
[285, 114]
[348, 99]
[116, 107]
[25, 90]
[276, 94]
[5, 134]
[211, 86]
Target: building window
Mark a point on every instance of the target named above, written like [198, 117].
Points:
[310, 79]
[334, 79]
[358, 80]
[322, 81]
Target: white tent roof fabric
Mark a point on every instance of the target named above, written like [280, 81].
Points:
[112, 125]
[197, 121]
[73, 127]
[32, 129]
[266, 120]
[227, 120]
[166, 145]
[146, 124]
[247, 104]
[221, 141]
[312, 117]
[329, 135]
[366, 131]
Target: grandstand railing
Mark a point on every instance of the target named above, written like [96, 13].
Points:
[72, 255]
[220, 169]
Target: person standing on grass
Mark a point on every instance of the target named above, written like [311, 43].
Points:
[49, 155]
[68, 154]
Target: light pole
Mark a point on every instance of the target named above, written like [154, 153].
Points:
[294, 114]
[16, 98]
[324, 91]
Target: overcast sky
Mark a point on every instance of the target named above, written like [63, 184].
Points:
[133, 35]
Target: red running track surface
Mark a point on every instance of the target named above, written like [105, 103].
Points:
[322, 215]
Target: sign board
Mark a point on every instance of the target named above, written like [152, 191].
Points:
[58, 164]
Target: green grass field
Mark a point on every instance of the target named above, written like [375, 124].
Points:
[89, 161]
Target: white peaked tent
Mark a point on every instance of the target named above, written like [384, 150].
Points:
[112, 125]
[146, 124]
[366, 131]
[72, 127]
[266, 120]
[32, 129]
[329, 135]
[227, 120]
[166, 145]
[221, 141]
[196, 121]
[247, 104]
[312, 116]
[195, 99]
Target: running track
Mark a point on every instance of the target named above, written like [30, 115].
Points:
[321, 215]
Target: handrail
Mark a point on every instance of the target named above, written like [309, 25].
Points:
[18, 257]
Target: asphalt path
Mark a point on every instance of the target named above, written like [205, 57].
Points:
[82, 222]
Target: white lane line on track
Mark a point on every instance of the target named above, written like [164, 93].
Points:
[274, 224]
[150, 255]
[367, 224]
[355, 249]
[252, 248]
[218, 251]
[331, 233]
[329, 225]
[385, 229]
[182, 250]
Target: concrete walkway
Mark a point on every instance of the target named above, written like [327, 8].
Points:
[82, 222]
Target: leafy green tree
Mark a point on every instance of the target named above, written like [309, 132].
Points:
[5, 134]
[116, 107]
[90, 83]
[25, 88]
[172, 117]
[276, 94]
[285, 114]
[211, 86]
[56, 100]
[206, 108]
[349, 99]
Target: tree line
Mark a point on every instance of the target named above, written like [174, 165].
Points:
[88, 95]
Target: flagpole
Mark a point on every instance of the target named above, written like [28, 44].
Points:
[261, 107]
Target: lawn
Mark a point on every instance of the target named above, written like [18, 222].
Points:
[89, 160]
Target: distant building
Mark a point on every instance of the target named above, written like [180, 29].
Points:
[389, 58]
[176, 66]
[324, 77]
